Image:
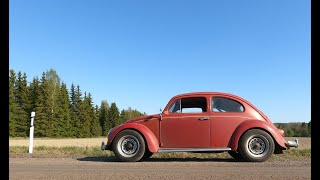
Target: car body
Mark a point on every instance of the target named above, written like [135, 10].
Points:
[200, 122]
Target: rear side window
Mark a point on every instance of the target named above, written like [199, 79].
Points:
[221, 104]
[189, 105]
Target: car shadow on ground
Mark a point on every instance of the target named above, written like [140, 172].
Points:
[114, 159]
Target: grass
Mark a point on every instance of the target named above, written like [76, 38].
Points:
[76, 147]
[75, 151]
[66, 151]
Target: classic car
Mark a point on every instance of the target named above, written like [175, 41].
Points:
[200, 122]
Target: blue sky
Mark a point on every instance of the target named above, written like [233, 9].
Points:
[141, 53]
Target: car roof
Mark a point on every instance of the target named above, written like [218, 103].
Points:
[207, 93]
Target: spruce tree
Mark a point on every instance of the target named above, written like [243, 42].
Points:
[75, 102]
[123, 116]
[62, 114]
[43, 120]
[84, 117]
[77, 110]
[34, 93]
[103, 118]
[95, 129]
[12, 105]
[113, 115]
[97, 111]
[22, 118]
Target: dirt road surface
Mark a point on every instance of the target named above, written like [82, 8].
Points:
[106, 168]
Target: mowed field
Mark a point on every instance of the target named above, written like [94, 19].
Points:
[304, 142]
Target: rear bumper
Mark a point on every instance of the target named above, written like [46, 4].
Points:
[294, 143]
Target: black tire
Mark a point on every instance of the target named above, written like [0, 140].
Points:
[256, 145]
[129, 146]
[235, 155]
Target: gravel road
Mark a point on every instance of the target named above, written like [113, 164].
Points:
[154, 168]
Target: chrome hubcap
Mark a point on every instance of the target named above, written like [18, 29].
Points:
[128, 146]
[258, 145]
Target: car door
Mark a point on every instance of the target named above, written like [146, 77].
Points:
[186, 124]
[227, 114]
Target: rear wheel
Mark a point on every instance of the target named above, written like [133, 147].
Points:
[256, 145]
[129, 146]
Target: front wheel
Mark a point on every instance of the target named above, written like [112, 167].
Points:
[256, 145]
[129, 146]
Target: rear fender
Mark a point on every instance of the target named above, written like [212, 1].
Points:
[256, 124]
[152, 141]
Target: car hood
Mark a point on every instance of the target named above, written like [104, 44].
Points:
[143, 118]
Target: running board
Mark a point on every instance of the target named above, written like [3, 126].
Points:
[192, 149]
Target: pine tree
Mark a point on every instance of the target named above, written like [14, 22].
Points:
[113, 115]
[103, 118]
[12, 105]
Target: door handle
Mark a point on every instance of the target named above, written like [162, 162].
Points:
[203, 118]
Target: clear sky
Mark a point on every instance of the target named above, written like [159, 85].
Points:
[141, 53]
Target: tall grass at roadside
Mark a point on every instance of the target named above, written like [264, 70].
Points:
[72, 151]
[67, 151]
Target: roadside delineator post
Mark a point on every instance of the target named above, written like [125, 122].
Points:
[31, 133]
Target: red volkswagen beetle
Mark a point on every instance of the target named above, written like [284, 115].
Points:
[200, 122]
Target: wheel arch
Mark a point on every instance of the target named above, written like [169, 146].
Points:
[256, 124]
[149, 137]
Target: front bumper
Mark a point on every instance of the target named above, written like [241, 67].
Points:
[294, 143]
[103, 146]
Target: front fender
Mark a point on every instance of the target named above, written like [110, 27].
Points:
[152, 141]
[256, 124]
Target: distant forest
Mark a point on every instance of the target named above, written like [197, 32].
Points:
[59, 112]
[71, 113]
[298, 129]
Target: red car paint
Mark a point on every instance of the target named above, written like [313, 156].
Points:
[188, 130]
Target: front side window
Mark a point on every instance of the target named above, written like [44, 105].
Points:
[175, 107]
[221, 104]
[189, 105]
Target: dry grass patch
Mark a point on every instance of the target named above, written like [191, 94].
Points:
[50, 142]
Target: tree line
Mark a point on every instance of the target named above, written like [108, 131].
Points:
[298, 129]
[59, 112]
